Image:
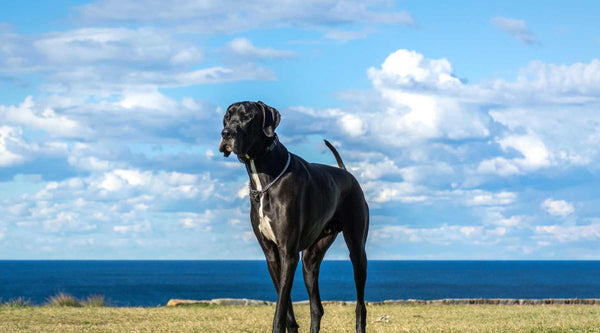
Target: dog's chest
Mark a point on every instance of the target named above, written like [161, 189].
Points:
[264, 225]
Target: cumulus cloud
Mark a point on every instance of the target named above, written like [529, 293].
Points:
[413, 91]
[420, 137]
[429, 138]
[33, 116]
[558, 207]
[155, 115]
[410, 69]
[419, 103]
[534, 155]
[352, 125]
[127, 199]
[11, 143]
[517, 29]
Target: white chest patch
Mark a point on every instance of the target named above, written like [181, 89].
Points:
[264, 224]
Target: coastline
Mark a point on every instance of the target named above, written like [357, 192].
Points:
[445, 301]
[384, 317]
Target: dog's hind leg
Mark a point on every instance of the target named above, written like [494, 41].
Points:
[311, 262]
[273, 264]
[355, 229]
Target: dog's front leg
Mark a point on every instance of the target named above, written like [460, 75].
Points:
[274, 266]
[289, 262]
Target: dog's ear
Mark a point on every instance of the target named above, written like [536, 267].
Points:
[271, 119]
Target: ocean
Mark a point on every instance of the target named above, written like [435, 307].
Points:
[153, 283]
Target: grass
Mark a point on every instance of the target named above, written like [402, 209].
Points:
[402, 318]
[66, 300]
[18, 302]
[94, 301]
[62, 299]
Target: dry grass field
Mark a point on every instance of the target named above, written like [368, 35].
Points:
[338, 318]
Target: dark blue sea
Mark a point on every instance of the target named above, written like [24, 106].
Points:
[153, 283]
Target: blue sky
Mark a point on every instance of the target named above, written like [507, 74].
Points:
[473, 127]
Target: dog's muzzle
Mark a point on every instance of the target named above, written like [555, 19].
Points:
[226, 145]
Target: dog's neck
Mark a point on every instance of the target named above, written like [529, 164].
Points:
[262, 170]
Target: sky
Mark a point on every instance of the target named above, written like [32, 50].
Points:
[472, 126]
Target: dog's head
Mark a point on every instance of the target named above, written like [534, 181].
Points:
[247, 129]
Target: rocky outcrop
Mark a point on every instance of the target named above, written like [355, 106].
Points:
[218, 301]
[490, 301]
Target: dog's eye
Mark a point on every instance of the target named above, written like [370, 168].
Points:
[247, 117]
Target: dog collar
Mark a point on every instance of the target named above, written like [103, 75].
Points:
[266, 151]
[256, 194]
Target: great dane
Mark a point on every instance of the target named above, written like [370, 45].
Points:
[296, 206]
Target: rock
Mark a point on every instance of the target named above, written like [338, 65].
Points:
[218, 301]
[178, 302]
[446, 301]
[238, 301]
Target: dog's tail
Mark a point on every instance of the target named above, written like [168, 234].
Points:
[338, 159]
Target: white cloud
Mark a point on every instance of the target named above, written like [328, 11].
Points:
[418, 137]
[567, 234]
[105, 61]
[405, 68]
[517, 29]
[495, 217]
[417, 101]
[243, 47]
[415, 104]
[553, 83]
[381, 192]
[168, 185]
[443, 235]
[375, 170]
[352, 125]
[531, 148]
[30, 115]
[154, 114]
[129, 201]
[235, 16]
[11, 143]
[106, 47]
[146, 98]
[535, 154]
[484, 198]
[68, 222]
[194, 220]
[557, 207]
[124, 46]
[573, 137]
[144, 226]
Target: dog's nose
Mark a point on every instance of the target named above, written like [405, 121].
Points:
[226, 133]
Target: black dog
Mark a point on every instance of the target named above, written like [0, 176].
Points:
[296, 206]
